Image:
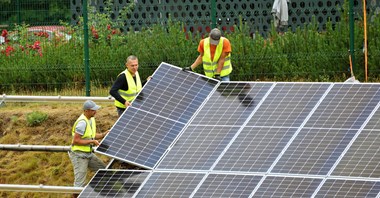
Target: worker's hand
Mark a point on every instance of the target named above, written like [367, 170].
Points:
[217, 77]
[127, 104]
[105, 133]
[187, 69]
[149, 77]
[95, 142]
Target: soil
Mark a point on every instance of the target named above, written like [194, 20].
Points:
[46, 168]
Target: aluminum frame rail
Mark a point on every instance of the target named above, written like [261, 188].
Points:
[40, 188]
[15, 98]
[19, 147]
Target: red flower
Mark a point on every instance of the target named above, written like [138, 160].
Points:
[94, 32]
[108, 27]
[4, 33]
[8, 50]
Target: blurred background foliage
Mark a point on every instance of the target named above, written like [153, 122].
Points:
[43, 65]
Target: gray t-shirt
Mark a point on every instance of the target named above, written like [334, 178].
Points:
[81, 127]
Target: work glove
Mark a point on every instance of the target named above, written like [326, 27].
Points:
[187, 69]
[217, 77]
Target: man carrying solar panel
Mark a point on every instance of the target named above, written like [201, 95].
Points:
[127, 85]
[84, 138]
[215, 54]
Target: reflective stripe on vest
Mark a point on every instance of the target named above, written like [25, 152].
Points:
[133, 88]
[210, 66]
[89, 134]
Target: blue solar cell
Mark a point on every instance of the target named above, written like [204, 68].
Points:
[224, 185]
[255, 149]
[174, 94]
[346, 106]
[314, 151]
[287, 187]
[198, 148]
[114, 183]
[231, 104]
[170, 184]
[288, 104]
[140, 137]
[349, 188]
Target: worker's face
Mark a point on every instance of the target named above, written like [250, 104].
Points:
[90, 113]
[132, 66]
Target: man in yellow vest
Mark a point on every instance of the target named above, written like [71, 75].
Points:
[84, 138]
[127, 85]
[215, 54]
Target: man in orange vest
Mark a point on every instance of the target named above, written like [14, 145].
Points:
[215, 54]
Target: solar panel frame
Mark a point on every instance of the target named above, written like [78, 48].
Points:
[300, 155]
[135, 129]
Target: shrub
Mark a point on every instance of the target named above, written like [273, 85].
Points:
[35, 118]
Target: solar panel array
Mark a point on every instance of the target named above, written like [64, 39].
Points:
[197, 137]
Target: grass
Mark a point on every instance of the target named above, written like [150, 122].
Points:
[47, 168]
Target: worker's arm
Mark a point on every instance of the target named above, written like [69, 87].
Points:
[77, 140]
[221, 62]
[197, 61]
[101, 135]
[120, 83]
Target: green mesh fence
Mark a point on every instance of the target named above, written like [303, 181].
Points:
[196, 17]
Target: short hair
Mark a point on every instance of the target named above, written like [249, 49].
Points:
[131, 57]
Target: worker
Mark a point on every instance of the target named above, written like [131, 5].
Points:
[127, 85]
[84, 139]
[215, 54]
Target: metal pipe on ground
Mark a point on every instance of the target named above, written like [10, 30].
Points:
[19, 147]
[40, 188]
[15, 98]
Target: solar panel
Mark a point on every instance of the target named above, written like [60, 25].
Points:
[202, 138]
[214, 126]
[163, 107]
[287, 187]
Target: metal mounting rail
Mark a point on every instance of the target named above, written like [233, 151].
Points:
[40, 188]
[14, 98]
[19, 147]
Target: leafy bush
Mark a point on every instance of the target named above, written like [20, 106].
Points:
[35, 118]
[302, 55]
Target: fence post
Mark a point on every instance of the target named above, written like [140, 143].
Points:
[213, 13]
[352, 33]
[86, 49]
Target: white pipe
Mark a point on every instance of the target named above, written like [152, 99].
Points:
[15, 98]
[19, 147]
[40, 188]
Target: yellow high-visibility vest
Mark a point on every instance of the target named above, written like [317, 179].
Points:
[89, 134]
[210, 66]
[133, 88]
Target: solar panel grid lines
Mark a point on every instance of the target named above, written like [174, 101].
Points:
[231, 103]
[286, 187]
[345, 106]
[338, 161]
[158, 134]
[114, 183]
[246, 139]
[349, 188]
[201, 145]
[143, 134]
[288, 104]
[363, 163]
[326, 152]
[174, 94]
[226, 185]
